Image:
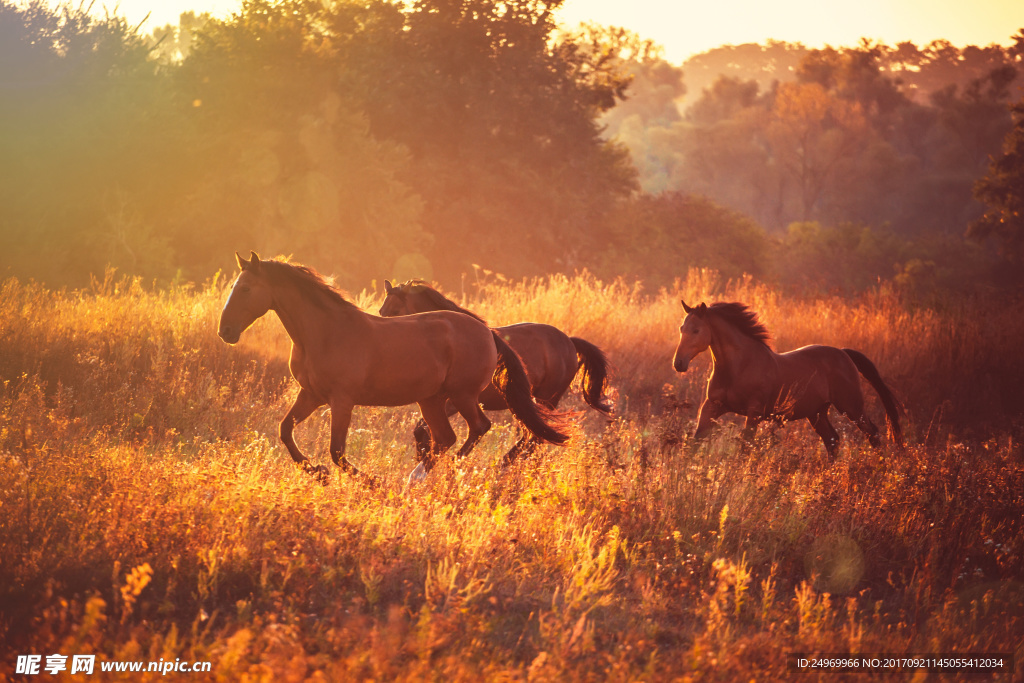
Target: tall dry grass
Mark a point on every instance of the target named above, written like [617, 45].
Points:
[147, 510]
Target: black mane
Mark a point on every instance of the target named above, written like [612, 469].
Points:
[310, 283]
[743, 319]
[436, 299]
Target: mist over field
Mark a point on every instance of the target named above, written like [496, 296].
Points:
[866, 197]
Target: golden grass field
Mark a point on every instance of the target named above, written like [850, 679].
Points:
[147, 510]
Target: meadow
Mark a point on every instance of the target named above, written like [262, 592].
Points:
[148, 512]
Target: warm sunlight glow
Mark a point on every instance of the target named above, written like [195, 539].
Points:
[150, 14]
[686, 28]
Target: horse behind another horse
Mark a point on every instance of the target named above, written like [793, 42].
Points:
[343, 357]
[551, 357]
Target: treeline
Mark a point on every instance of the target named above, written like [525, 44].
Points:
[894, 138]
[369, 139]
[380, 140]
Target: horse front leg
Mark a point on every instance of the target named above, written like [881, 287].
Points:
[710, 409]
[341, 417]
[305, 403]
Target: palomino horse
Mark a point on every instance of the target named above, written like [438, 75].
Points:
[750, 379]
[551, 357]
[343, 357]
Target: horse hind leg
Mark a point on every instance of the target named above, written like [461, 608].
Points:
[421, 434]
[442, 436]
[856, 414]
[527, 443]
[826, 431]
[522, 448]
[478, 423]
[865, 424]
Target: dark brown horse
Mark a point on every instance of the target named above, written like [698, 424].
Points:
[750, 379]
[342, 357]
[552, 358]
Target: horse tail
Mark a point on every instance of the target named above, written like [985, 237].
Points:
[594, 365]
[892, 407]
[511, 380]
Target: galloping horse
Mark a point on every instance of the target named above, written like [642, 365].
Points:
[343, 357]
[552, 358]
[750, 379]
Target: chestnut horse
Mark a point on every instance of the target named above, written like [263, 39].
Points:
[750, 379]
[342, 357]
[552, 358]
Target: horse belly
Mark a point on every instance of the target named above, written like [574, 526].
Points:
[399, 391]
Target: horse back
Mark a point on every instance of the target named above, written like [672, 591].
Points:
[817, 373]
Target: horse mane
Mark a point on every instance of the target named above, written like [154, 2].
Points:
[436, 298]
[310, 283]
[743, 319]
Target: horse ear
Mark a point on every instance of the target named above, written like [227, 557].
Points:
[254, 259]
[242, 263]
[388, 287]
[685, 307]
[702, 309]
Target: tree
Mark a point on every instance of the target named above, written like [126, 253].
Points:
[811, 133]
[80, 120]
[660, 237]
[284, 159]
[1002, 190]
[725, 99]
[500, 117]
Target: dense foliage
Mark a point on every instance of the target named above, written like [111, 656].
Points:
[387, 140]
[384, 139]
[1002, 189]
[892, 138]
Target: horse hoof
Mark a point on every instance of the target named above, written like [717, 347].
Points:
[417, 476]
[319, 472]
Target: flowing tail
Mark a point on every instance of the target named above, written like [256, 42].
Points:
[892, 408]
[511, 380]
[594, 365]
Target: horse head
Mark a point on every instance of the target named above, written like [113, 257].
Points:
[694, 336]
[395, 302]
[251, 297]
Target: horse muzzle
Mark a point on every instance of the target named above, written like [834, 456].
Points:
[229, 333]
[680, 364]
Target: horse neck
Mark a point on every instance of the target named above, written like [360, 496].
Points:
[303, 318]
[423, 304]
[729, 346]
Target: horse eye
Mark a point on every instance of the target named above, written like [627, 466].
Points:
[243, 288]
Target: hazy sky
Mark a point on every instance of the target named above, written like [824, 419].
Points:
[686, 27]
